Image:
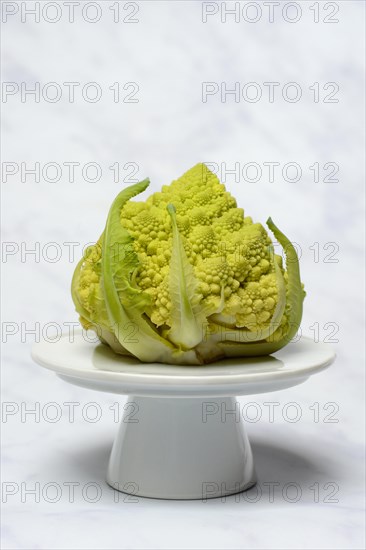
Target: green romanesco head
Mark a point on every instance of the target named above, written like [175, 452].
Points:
[192, 273]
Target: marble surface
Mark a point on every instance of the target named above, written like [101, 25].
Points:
[169, 53]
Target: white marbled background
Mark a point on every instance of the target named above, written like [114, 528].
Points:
[169, 52]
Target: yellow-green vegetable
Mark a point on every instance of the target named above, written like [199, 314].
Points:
[186, 278]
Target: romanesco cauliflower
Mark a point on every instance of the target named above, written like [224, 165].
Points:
[186, 278]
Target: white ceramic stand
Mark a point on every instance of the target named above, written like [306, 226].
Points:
[182, 449]
[182, 437]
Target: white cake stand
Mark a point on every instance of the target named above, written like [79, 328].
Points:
[183, 437]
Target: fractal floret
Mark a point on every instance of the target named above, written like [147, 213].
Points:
[186, 278]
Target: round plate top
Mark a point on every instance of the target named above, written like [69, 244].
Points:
[96, 366]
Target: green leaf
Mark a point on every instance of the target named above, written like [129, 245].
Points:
[186, 317]
[126, 304]
[295, 294]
